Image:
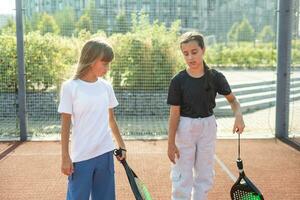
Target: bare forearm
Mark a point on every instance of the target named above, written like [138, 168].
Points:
[236, 108]
[173, 124]
[116, 132]
[65, 135]
[239, 124]
[65, 144]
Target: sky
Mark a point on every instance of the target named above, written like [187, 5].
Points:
[7, 6]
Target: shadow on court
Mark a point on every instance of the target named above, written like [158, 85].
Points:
[31, 170]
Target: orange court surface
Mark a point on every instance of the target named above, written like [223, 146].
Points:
[31, 170]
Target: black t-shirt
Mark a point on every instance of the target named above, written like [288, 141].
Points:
[192, 94]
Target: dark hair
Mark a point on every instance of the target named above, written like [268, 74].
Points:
[198, 37]
[192, 36]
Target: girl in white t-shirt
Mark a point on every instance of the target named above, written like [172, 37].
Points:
[86, 106]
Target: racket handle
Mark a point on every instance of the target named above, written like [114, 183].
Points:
[239, 164]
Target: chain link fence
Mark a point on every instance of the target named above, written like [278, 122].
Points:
[240, 38]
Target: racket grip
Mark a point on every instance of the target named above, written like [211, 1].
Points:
[239, 164]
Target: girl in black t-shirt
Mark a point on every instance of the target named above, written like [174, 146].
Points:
[192, 125]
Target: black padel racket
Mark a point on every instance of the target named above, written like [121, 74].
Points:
[243, 188]
[138, 188]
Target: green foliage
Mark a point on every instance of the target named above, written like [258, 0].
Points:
[84, 23]
[145, 58]
[242, 55]
[47, 60]
[98, 19]
[242, 31]
[8, 62]
[47, 24]
[267, 34]
[245, 31]
[9, 27]
[121, 24]
[66, 21]
[32, 22]
[232, 34]
[296, 53]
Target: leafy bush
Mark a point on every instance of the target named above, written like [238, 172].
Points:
[243, 54]
[146, 58]
[8, 63]
[242, 31]
[47, 24]
[267, 34]
[245, 31]
[84, 23]
[48, 60]
[65, 19]
[232, 33]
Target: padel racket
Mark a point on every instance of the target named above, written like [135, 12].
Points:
[138, 188]
[243, 188]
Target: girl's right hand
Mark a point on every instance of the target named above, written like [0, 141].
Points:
[67, 166]
[173, 152]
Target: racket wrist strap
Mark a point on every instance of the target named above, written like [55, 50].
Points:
[121, 149]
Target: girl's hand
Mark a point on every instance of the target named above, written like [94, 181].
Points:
[67, 166]
[173, 152]
[239, 124]
[123, 156]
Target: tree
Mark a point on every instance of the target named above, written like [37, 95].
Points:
[98, 19]
[122, 25]
[84, 23]
[47, 24]
[232, 34]
[245, 31]
[9, 27]
[66, 21]
[267, 34]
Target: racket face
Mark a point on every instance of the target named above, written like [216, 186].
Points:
[244, 192]
[242, 195]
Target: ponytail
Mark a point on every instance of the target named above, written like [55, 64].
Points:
[208, 85]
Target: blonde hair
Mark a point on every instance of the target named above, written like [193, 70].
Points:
[92, 50]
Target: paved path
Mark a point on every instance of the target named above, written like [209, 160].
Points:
[249, 76]
[260, 124]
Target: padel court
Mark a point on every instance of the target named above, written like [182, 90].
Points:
[31, 170]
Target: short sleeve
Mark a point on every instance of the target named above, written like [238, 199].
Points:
[222, 84]
[113, 102]
[174, 94]
[65, 103]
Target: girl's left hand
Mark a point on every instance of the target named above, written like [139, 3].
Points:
[239, 124]
[123, 156]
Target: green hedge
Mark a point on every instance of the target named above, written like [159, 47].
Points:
[146, 58]
[48, 60]
[242, 55]
[8, 63]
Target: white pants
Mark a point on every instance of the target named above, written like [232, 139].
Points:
[192, 175]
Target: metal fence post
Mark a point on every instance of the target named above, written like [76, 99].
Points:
[283, 67]
[21, 72]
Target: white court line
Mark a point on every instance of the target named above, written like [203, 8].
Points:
[225, 169]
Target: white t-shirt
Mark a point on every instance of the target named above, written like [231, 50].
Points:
[88, 103]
